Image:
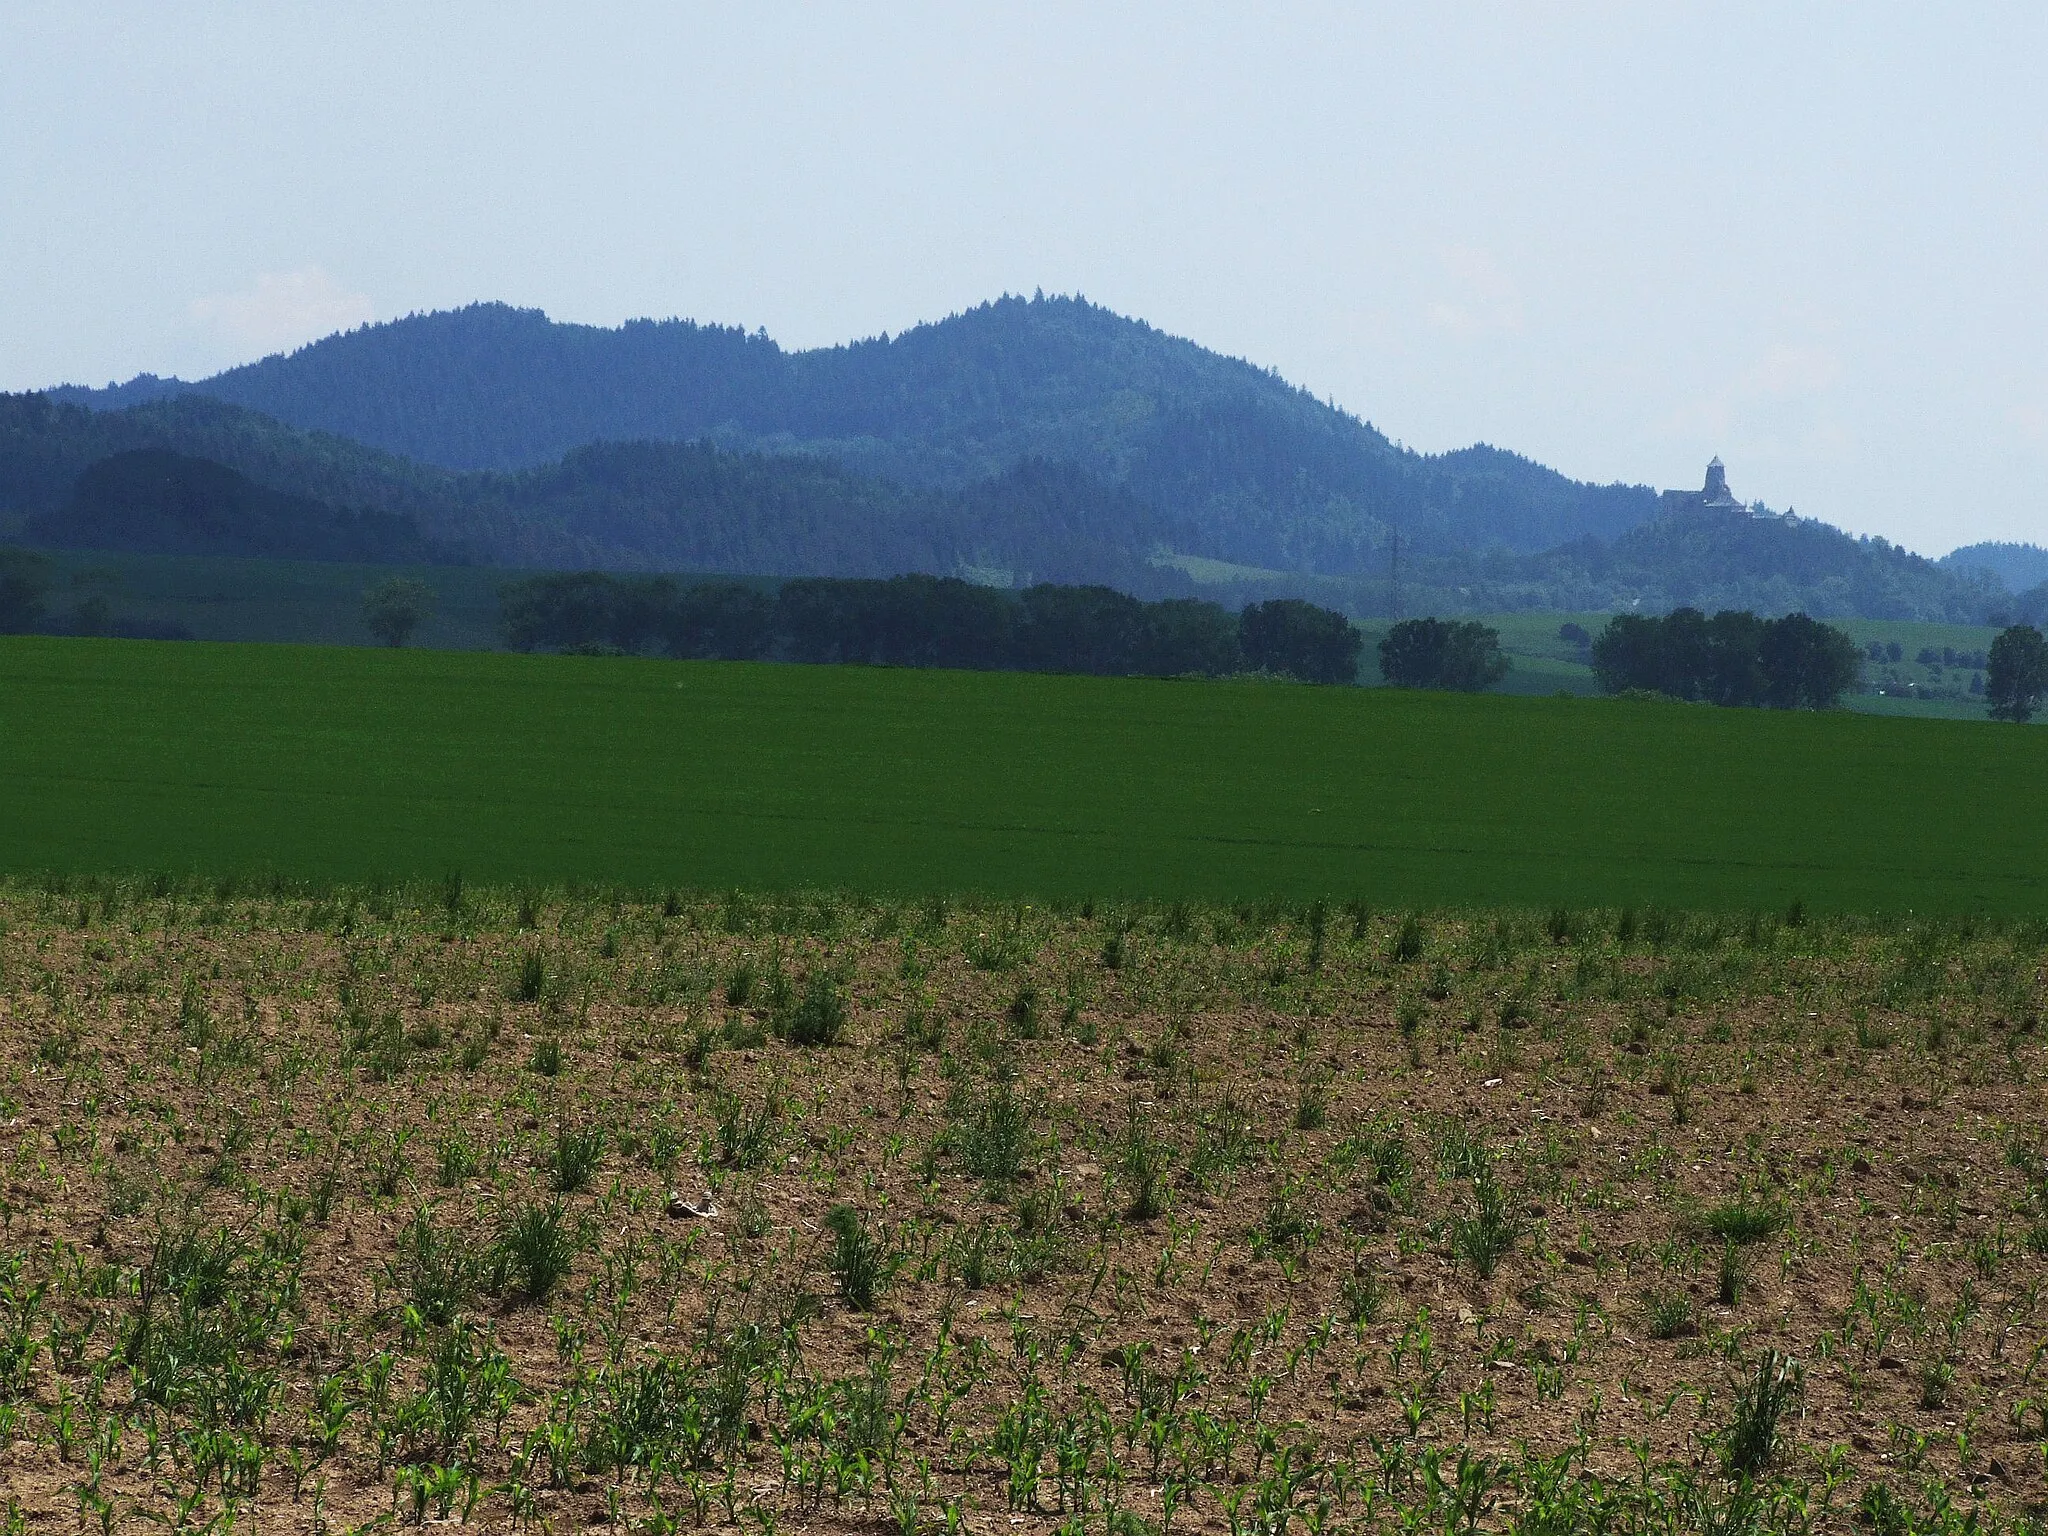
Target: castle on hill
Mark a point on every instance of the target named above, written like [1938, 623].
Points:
[1715, 496]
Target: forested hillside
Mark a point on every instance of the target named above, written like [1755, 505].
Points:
[617, 506]
[1258, 472]
[1026, 441]
[154, 501]
[1711, 561]
[2021, 567]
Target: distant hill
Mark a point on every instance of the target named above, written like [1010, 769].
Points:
[153, 501]
[1711, 560]
[618, 506]
[1025, 440]
[702, 507]
[2018, 566]
[1257, 471]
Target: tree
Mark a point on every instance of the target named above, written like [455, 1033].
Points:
[723, 621]
[1433, 653]
[1732, 658]
[1806, 664]
[2016, 674]
[24, 580]
[1317, 645]
[1625, 655]
[1186, 635]
[394, 608]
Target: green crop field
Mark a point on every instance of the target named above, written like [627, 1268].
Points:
[357, 763]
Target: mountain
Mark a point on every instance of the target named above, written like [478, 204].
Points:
[703, 508]
[44, 447]
[1024, 440]
[71, 477]
[153, 501]
[2018, 567]
[1255, 471]
[1710, 559]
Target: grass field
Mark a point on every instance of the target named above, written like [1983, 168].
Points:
[366, 1208]
[356, 763]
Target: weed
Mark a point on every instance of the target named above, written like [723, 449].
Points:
[1142, 1169]
[991, 1133]
[1741, 1221]
[1408, 941]
[739, 984]
[1481, 1237]
[574, 1157]
[746, 1132]
[435, 1270]
[1729, 1276]
[818, 1017]
[856, 1260]
[535, 1247]
[1668, 1315]
[1775, 1386]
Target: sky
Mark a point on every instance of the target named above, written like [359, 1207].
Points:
[1812, 239]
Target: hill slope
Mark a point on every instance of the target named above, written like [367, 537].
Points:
[2020, 567]
[620, 506]
[1262, 473]
[154, 501]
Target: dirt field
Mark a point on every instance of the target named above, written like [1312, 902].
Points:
[322, 1210]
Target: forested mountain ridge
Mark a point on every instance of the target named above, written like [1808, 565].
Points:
[154, 501]
[1714, 560]
[2020, 567]
[663, 506]
[1256, 471]
[614, 506]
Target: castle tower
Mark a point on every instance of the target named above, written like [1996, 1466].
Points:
[1716, 493]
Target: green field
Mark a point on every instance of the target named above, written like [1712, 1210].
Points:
[124, 755]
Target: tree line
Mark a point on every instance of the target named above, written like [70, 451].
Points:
[1733, 658]
[928, 621]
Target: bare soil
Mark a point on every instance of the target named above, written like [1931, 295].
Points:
[1210, 1219]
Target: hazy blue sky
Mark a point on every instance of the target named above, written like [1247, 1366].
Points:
[1618, 238]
